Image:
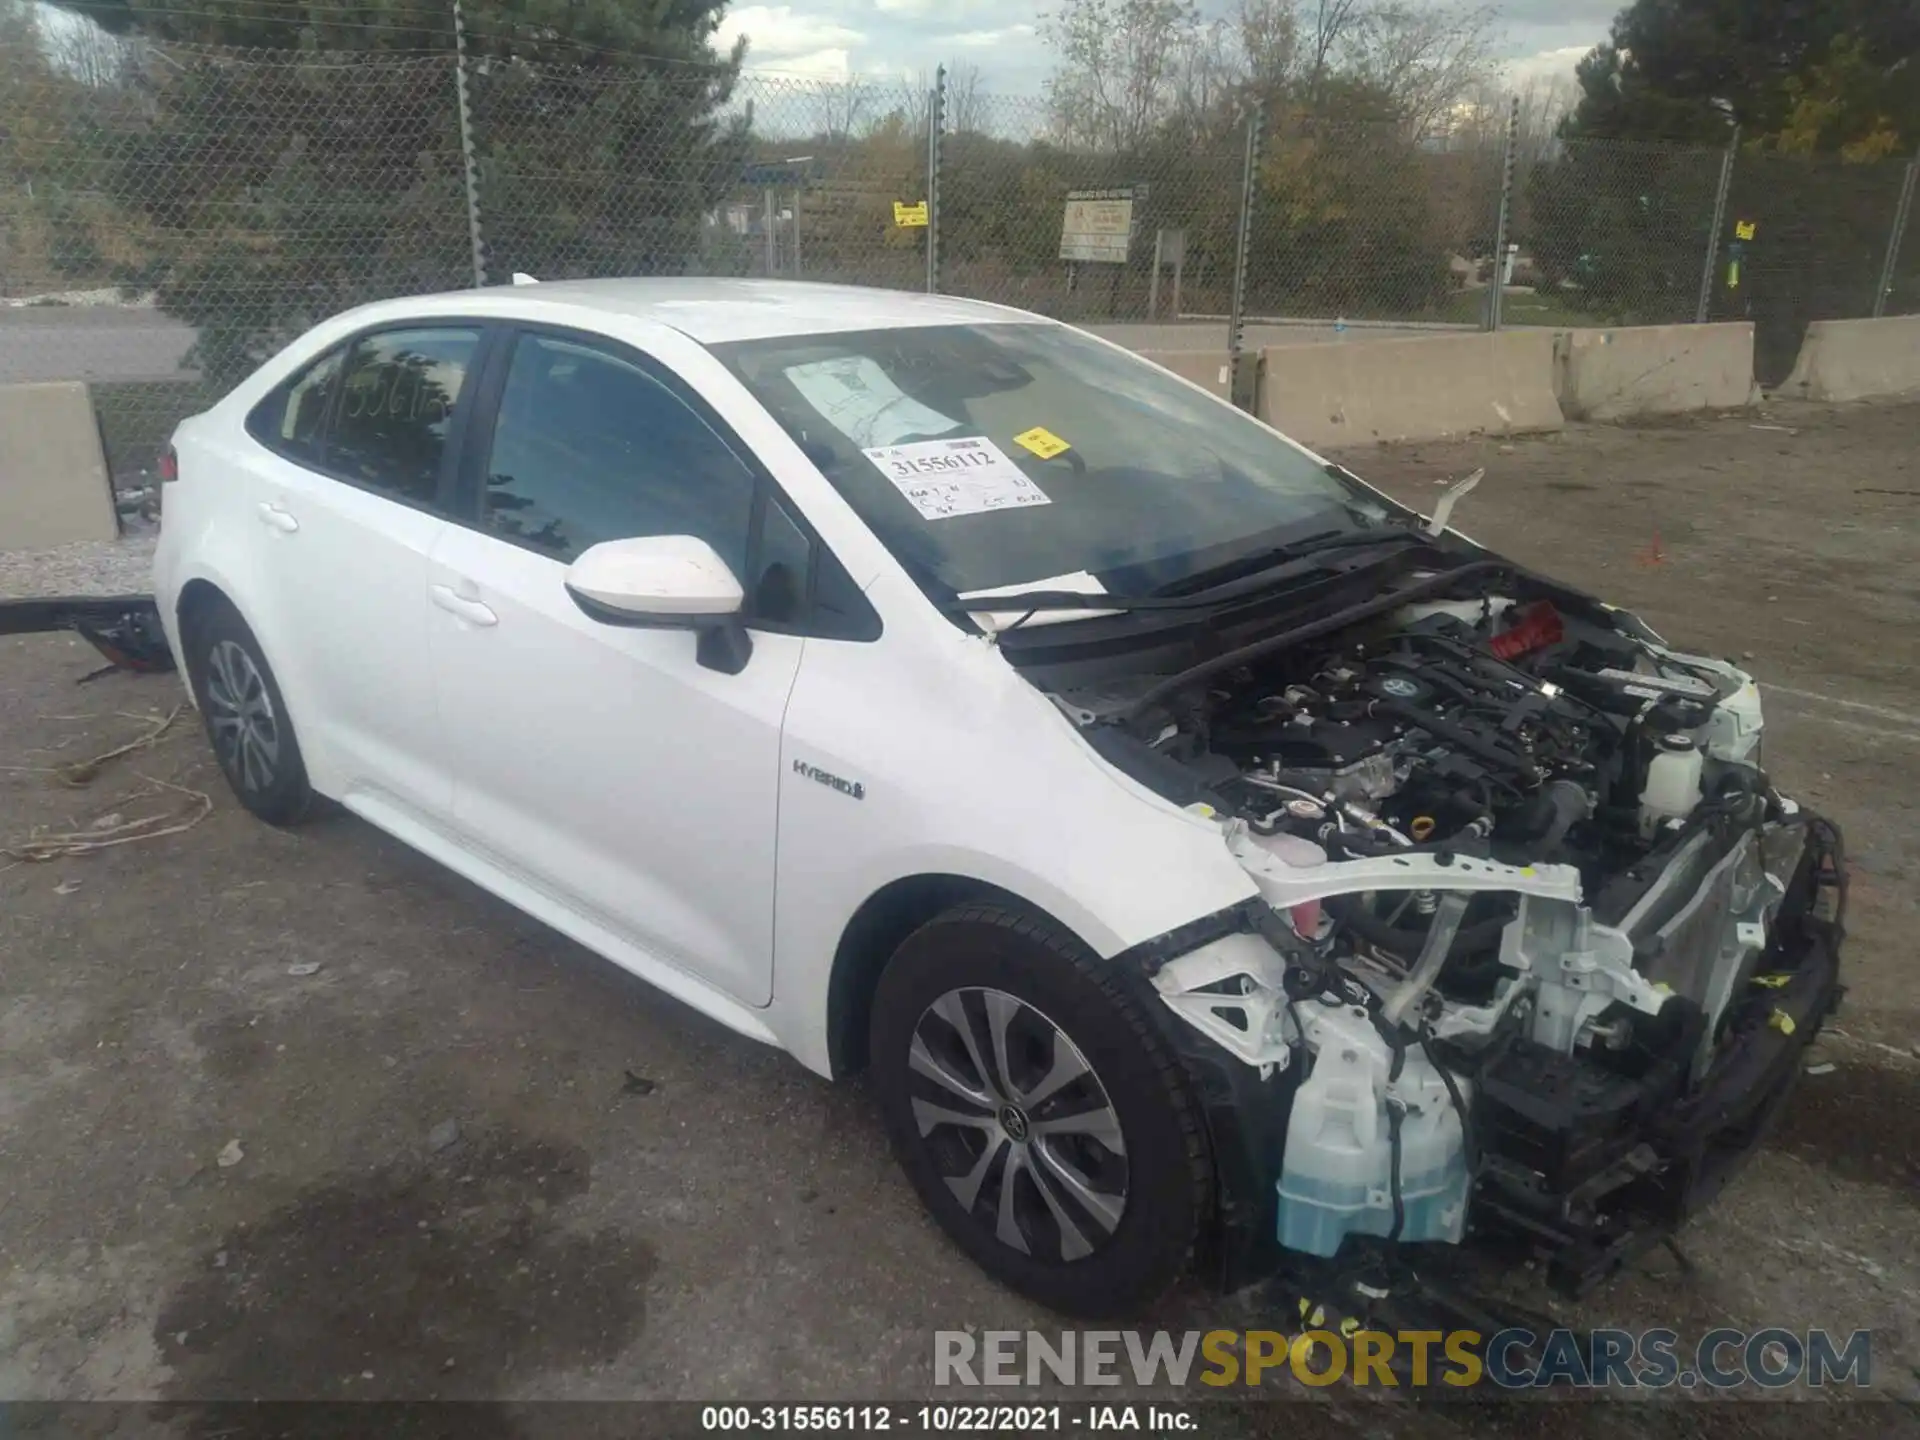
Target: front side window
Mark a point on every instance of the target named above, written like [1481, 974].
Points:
[998, 455]
[588, 447]
[399, 391]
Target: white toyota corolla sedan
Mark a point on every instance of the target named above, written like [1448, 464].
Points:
[1213, 861]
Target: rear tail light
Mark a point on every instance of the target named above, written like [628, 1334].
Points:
[169, 466]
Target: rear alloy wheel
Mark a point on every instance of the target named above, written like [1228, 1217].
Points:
[1037, 1111]
[246, 718]
[241, 719]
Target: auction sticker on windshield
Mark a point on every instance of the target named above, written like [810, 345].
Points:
[944, 478]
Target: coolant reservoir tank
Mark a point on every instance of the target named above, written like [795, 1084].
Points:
[1673, 783]
[1291, 850]
[1297, 854]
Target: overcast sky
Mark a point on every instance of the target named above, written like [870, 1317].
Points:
[1541, 38]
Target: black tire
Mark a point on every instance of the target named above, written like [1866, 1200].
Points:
[263, 765]
[962, 962]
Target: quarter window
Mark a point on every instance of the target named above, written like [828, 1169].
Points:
[291, 418]
[398, 396]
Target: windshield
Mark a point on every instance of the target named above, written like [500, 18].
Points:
[995, 456]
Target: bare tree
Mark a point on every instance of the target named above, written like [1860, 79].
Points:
[1115, 65]
[1429, 59]
[966, 104]
[1329, 23]
[911, 100]
[843, 109]
[1126, 67]
[1270, 46]
[1207, 73]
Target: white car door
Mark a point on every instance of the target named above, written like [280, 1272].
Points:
[350, 514]
[606, 764]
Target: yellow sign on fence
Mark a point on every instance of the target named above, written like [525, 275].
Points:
[905, 215]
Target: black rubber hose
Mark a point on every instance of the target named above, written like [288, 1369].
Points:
[1469, 1142]
[1370, 927]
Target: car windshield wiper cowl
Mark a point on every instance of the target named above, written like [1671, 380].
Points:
[1038, 601]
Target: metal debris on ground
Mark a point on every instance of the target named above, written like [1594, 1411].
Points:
[124, 628]
[230, 1155]
[303, 968]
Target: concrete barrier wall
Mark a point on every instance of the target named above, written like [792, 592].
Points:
[1653, 370]
[1857, 360]
[1203, 367]
[53, 478]
[1429, 388]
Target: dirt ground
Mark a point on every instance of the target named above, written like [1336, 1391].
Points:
[301, 1115]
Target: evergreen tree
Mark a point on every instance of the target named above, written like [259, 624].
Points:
[284, 160]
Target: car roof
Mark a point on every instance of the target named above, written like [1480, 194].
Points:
[715, 311]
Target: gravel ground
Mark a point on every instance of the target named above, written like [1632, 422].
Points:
[87, 567]
[299, 1114]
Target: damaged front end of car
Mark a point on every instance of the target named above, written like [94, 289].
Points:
[1538, 944]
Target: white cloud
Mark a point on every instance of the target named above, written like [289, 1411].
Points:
[981, 39]
[1546, 66]
[831, 64]
[945, 8]
[776, 34]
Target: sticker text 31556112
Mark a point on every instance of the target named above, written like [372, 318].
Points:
[944, 478]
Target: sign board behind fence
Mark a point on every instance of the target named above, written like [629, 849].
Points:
[905, 214]
[1098, 227]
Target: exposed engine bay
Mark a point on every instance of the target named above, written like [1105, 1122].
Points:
[1537, 926]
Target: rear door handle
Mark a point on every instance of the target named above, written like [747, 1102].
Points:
[274, 518]
[471, 611]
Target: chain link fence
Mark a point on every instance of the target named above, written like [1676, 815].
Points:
[171, 214]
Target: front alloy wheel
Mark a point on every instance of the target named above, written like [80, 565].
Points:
[1028, 1140]
[1038, 1111]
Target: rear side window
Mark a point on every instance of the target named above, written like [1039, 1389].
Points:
[289, 420]
[399, 390]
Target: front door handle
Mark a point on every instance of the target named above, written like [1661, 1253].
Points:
[454, 603]
[274, 518]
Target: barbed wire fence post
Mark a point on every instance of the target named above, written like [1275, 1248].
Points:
[936, 124]
[468, 158]
[1497, 281]
[1244, 376]
[1712, 263]
[1902, 212]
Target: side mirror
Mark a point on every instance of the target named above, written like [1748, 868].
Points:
[665, 582]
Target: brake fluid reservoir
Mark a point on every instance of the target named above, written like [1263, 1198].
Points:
[1673, 783]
